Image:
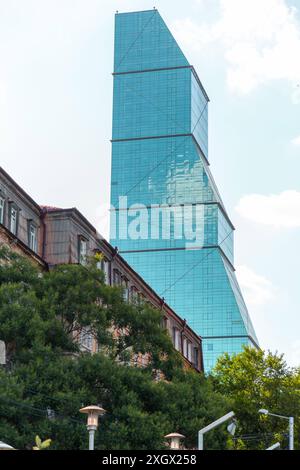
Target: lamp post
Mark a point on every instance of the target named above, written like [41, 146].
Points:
[291, 425]
[174, 440]
[93, 413]
[274, 446]
[213, 425]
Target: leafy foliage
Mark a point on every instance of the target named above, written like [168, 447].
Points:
[48, 378]
[256, 380]
[41, 445]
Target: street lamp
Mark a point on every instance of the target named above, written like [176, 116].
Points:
[291, 425]
[232, 427]
[213, 425]
[93, 413]
[274, 446]
[174, 440]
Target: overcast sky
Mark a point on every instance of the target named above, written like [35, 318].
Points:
[56, 61]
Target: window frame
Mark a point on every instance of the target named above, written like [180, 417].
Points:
[103, 264]
[176, 338]
[81, 242]
[185, 347]
[117, 278]
[86, 339]
[196, 357]
[13, 207]
[32, 224]
[189, 351]
[133, 293]
[126, 288]
[2, 216]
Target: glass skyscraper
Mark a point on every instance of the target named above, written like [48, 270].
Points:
[160, 160]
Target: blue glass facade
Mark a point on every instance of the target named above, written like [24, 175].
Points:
[160, 159]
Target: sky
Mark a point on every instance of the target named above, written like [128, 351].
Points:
[56, 59]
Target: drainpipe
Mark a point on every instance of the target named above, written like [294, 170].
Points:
[43, 214]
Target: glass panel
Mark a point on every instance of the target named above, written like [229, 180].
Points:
[13, 220]
[32, 237]
[82, 251]
[86, 339]
[143, 41]
[153, 163]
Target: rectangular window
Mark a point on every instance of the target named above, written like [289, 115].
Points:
[126, 290]
[105, 269]
[2, 208]
[176, 338]
[13, 218]
[185, 347]
[82, 250]
[32, 236]
[196, 357]
[116, 278]
[165, 323]
[133, 293]
[190, 354]
[104, 266]
[86, 339]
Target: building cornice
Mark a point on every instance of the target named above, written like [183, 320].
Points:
[73, 213]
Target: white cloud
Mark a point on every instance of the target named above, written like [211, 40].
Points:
[261, 42]
[296, 141]
[277, 210]
[256, 289]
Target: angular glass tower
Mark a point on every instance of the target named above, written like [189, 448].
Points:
[160, 159]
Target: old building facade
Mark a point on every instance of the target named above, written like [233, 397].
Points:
[21, 221]
[50, 236]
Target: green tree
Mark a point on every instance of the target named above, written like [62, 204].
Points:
[48, 378]
[255, 379]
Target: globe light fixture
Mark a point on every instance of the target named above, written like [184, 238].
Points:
[263, 411]
[231, 428]
[174, 439]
